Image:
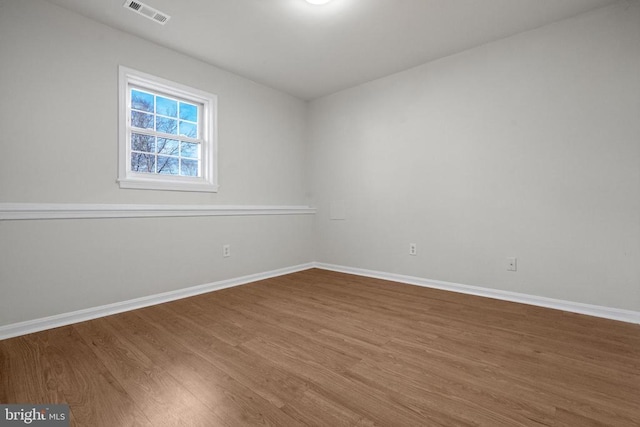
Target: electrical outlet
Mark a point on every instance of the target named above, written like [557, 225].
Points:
[413, 249]
[226, 251]
[512, 264]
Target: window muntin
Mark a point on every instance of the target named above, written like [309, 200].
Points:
[164, 133]
[167, 135]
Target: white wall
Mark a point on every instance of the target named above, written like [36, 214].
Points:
[526, 147]
[58, 121]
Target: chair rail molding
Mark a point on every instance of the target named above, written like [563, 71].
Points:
[35, 211]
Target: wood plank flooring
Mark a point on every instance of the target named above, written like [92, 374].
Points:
[328, 349]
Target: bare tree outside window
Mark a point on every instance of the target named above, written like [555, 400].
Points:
[159, 125]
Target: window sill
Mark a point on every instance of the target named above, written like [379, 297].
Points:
[154, 184]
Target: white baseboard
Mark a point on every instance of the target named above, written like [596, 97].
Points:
[37, 325]
[570, 306]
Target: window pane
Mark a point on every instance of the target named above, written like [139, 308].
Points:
[141, 120]
[189, 150]
[188, 129]
[168, 146]
[189, 167]
[143, 162]
[166, 125]
[166, 107]
[141, 142]
[188, 112]
[167, 165]
[141, 101]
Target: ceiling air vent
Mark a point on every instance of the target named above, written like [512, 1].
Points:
[147, 11]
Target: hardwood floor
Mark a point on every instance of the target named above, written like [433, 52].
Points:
[330, 349]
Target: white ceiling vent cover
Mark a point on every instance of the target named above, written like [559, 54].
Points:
[147, 11]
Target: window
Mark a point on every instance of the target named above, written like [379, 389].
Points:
[167, 135]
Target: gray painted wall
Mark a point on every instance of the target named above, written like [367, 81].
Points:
[58, 115]
[527, 147]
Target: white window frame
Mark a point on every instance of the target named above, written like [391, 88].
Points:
[208, 181]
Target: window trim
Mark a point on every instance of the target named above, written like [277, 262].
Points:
[129, 179]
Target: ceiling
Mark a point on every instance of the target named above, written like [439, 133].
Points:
[310, 51]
